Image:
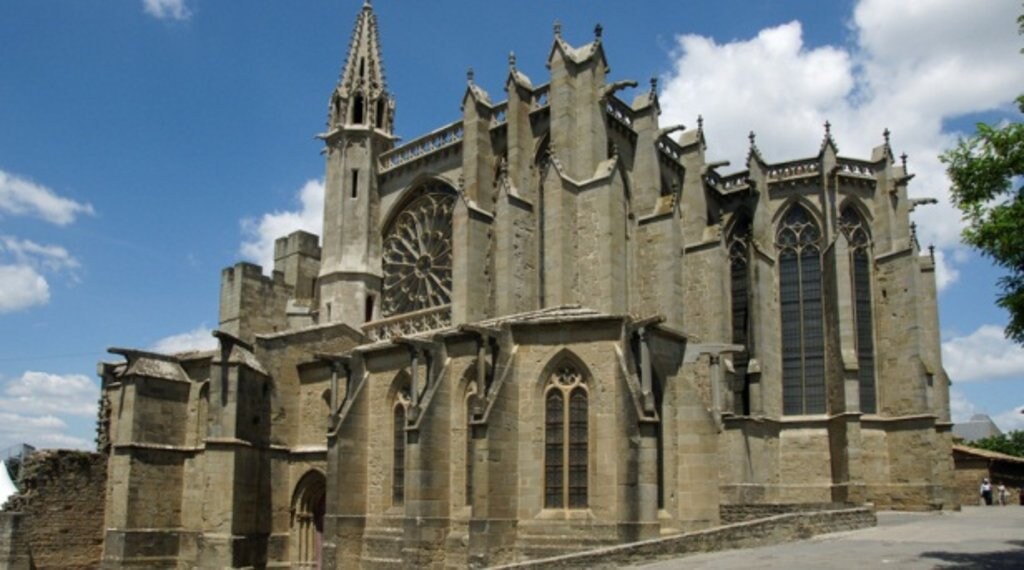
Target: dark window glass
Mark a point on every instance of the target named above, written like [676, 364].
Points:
[855, 229]
[800, 300]
[398, 466]
[578, 449]
[554, 450]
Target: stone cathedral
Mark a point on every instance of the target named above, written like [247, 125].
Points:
[549, 325]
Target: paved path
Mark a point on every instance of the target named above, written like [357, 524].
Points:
[977, 537]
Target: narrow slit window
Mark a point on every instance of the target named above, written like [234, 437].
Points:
[398, 467]
[355, 182]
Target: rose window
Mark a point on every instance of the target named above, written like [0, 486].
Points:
[418, 255]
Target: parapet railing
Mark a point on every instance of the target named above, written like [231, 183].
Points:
[855, 167]
[795, 168]
[406, 324]
[444, 137]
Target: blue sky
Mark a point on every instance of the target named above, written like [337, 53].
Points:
[146, 144]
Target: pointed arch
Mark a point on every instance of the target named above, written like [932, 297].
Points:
[417, 251]
[308, 509]
[798, 240]
[566, 400]
[857, 231]
[358, 108]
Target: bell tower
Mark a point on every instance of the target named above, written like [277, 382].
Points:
[360, 121]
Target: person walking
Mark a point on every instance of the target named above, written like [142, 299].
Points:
[986, 491]
[1004, 495]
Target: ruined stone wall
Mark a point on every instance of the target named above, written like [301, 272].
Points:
[61, 501]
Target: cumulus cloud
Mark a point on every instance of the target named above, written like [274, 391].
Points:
[22, 287]
[985, 354]
[960, 408]
[1011, 420]
[27, 252]
[21, 197]
[40, 431]
[167, 9]
[911, 67]
[259, 234]
[199, 338]
[41, 393]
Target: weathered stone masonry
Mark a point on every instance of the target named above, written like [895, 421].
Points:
[550, 324]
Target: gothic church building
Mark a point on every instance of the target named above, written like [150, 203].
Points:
[549, 325]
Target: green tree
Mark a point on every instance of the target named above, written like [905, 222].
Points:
[987, 170]
[1009, 443]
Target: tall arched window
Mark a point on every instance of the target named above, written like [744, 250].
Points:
[565, 440]
[398, 461]
[856, 231]
[803, 347]
[739, 280]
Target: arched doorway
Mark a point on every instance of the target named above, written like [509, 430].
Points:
[308, 507]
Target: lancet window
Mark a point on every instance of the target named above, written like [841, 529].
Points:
[800, 294]
[398, 459]
[739, 279]
[418, 254]
[565, 440]
[859, 239]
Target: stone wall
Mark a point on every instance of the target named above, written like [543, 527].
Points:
[762, 532]
[740, 513]
[14, 554]
[61, 503]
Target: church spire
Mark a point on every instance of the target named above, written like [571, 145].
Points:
[361, 97]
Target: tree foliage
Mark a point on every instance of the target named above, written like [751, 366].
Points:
[987, 170]
[1009, 443]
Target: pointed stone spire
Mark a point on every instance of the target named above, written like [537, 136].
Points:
[828, 140]
[361, 96]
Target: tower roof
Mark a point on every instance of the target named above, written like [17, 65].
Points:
[364, 68]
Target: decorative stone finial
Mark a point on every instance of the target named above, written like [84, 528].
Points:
[828, 129]
[366, 4]
[885, 134]
[931, 251]
[654, 85]
[753, 139]
[469, 75]
[913, 230]
[700, 122]
[512, 59]
[903, 159]
[598, 29]
[558, 29]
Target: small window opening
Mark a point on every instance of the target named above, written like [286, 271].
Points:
[355, 182]
[328, 312]
[362, 67]
[369, 308]
[380, 113]
[358, 109]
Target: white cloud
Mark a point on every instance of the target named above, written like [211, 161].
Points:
[960, 408]
[42, 431]
[946, 273]
[42, 393]
[911, 66]
[167, 9]
[1010, 420]
[258, 243]
[199, 338]
[985, 354]
[27, 252]
[21, 197]
[21, 287]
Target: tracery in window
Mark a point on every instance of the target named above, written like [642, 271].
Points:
[800, 295]
[566, 441]
[739, 279]
[856, 231]
[418, 254]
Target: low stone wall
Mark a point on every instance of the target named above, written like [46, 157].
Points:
[738, 513]
[772, 530]
[61, 506]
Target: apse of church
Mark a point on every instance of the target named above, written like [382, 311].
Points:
[548, 325]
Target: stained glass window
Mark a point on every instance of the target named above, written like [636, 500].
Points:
[800, 296]
[739, 278]
[566, 441]
[398, 465]
[855, 229]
